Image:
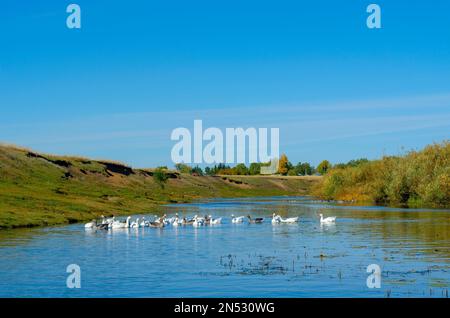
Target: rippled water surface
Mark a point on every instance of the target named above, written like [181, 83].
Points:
[412, 247]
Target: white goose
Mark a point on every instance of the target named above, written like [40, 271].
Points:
[276, 219]
[170, 220]
[330, 219]
[176, 220]
[107, 221]
[121, 225]
[91, 224]
[144, 223]
[198, 221]
[239, 219]
[135, 224]
[214, 221]
[165, 220]
[289, 220]
[113, 220]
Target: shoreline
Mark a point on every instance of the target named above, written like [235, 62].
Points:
[45, 190]
[337, 203]
[154, 210]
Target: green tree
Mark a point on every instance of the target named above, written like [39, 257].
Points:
[219, 169]
[323, 167]
[160, 176]
[304, 169]
[290, 167]
[197, 170]
[351, 163]
[254, 169]
[241, 169]
[309, 169]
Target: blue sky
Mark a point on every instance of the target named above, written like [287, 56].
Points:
[139, 69]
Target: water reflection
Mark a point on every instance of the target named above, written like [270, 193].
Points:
[282, 260]
[329, 227]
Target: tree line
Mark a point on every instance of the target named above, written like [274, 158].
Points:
[285, 168]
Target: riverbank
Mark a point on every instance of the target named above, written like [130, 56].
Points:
[40, 190]
[416, 179]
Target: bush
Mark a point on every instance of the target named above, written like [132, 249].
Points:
[197, 171]
[241, 169]
[304, 169]
[183, 168]
[416, 179]
[160, 176]
[254, 169]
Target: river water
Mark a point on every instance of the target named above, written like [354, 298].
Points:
[411, 247]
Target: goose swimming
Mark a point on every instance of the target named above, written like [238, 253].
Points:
[161, 219]
[143, 223]
[289, 220]
[330, 219]
[214, 221]
[238, 219]
[187, 222]
[103, 226]
[176, 220]
[198, 221]
[255, 220]
[165, 220]
[170, 220]
[121, 225]
[276, 219]
[107, 221]
[113, 220]
[91, 224]
[156, 224]
[135, 224]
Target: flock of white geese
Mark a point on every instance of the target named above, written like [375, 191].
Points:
[196, 221]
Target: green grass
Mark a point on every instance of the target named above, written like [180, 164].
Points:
[38, 189]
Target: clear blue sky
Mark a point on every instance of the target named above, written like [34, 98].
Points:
[138, 69]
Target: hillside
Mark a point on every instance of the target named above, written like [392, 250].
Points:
[38, 189]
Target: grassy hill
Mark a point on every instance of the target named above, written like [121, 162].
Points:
[39, 189]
